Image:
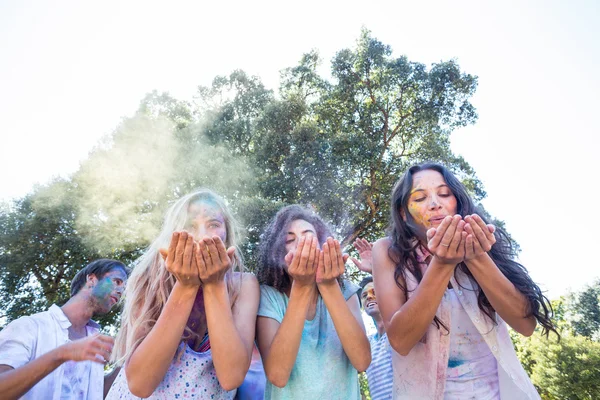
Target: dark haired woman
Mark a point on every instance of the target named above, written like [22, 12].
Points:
[448, 288]
[309, 327]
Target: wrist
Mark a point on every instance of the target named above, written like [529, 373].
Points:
[184, 291]
[302, 289]
[214, 287]
[440, 263]
[61, 354]
[327, 287]
[478, 261]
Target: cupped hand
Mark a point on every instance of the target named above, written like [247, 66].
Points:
[180, 259]
[332, 262]
[302, 263]
[213, 259]
[95, 348]
[365, 264]
[446, 242]
[480, 237]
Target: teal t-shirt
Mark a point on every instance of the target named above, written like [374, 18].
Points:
[322, 369]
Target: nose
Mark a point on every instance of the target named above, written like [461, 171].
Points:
[200, 231]
[434, 204]
[370, 296]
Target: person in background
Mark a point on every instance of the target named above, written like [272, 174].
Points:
[379, 374]
[59, 353]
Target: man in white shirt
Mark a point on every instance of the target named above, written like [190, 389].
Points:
[60, 354]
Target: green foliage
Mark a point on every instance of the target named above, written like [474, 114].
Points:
[337, 145]
[585, 312]
[364, 386]
[565, 369]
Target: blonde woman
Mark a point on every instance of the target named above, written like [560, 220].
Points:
[188, 323]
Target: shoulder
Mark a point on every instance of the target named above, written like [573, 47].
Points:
[383, 243]
[270, 292]
[381, 259]
[272, 303]
[20, 326]
[349, 288]
[246, 287]
[247, 279]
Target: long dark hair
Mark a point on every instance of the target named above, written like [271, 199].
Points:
[271, 251]
[402, 251]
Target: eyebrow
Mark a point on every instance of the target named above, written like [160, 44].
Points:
[308, 230]
[422, 190]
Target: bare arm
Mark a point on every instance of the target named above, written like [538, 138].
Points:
[149, 363]
[14, 383]
[506, 299]
[407, 321]
[345, 315]
[232, 333]
[279, 343]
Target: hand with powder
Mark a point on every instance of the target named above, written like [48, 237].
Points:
[332, 262]
[480, 237]
[446, 242]
[213, 260]
[180, 261]
[302, 264]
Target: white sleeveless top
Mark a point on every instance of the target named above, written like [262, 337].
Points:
[472, 368]
[191, 375]
[421, 374]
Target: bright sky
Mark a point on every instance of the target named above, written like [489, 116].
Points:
[70, 70]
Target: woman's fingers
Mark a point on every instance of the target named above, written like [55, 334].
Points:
[213, 251]
[439, 233]
[320, 266]
[312, 255]
[479, 234]
[304, 256]
[469, 250]
[339, 259]
[200, 263]
[221, 250]
[180, 248]
[456, 239]
[326, 259]
[188, 252]
[449, 234]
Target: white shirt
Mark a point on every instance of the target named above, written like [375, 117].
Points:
[472, 368]
[28, 338]
[421, 374]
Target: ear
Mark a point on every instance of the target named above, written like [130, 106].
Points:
[91, 280]
[403, 214]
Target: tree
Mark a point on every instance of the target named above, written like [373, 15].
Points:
[41, 250]
[337, 144]
[340, 145]
[565, 369]
[585, 311]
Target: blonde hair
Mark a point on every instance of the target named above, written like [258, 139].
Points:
[150, 284]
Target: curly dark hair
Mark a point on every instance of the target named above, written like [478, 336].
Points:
[402, 251]
[271, 250]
